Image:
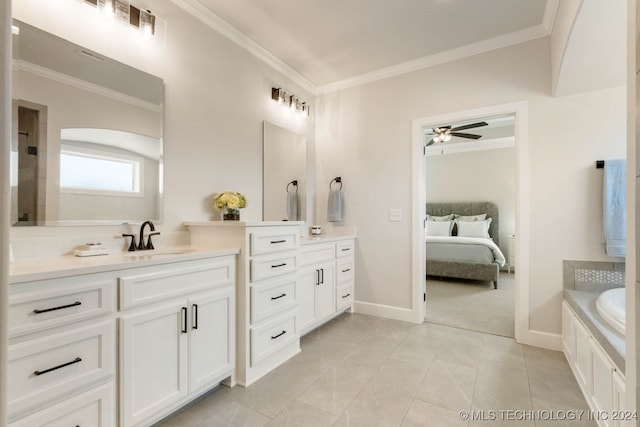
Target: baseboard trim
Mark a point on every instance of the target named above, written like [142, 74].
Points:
[386, 311]
[544, 340]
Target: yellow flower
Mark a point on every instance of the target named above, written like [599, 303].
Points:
[234, 202]
[230, 200]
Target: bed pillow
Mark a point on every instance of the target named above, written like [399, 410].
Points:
[474, 228]
[480, 217]
[439, 228]
[449, 217]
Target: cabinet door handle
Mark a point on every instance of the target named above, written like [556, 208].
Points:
[322, 275]
[184, 320]
[278, 297]
[345, 296]
[194, 319]
[73, 362]
[273, 242]
[279, 265]
[317, 277]
[278, 335]
[37, 311]
[348, 269]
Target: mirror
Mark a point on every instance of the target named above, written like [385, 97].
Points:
[284, 169]
[87, 135]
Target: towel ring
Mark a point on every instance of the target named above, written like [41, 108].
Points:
[294, 183]
[337, 180]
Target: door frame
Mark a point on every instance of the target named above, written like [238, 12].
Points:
[522, 208]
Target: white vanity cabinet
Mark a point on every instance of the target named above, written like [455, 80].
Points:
[602, 383]
[62, 358]
[325, 287]
[80, 356]
[173, 349]
[266, 290]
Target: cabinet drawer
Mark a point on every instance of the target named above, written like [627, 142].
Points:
[344, 270]
[267, 243]
[59, 305]
[47, 367]
[267, 339]
[272, 297]
[272, 266]
[345, 248]
[344, 296]
[175, 281]
[93, 408]
[312, 254]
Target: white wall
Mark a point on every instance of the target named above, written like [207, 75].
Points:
[364, 135]
[217, 96]
[487, 175]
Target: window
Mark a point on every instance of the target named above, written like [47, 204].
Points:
[108, 174]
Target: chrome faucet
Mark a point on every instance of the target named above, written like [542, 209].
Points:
[149, 244]
[141, 246]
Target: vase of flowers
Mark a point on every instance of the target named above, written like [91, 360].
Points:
[230, 203]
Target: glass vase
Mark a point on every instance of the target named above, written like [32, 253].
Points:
[231, 214]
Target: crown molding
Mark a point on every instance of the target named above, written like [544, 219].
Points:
[66, 79]
[465, 147]
[472, 49]
[212, 20]
[549, 17]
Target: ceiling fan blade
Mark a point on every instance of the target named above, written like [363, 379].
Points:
[466, 135]
[470, 126]
[430, 143]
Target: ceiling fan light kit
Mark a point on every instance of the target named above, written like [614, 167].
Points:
[445, 133]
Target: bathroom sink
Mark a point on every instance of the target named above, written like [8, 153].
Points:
[611, 306]
[160, 252]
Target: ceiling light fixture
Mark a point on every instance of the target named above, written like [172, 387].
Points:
[292, 101]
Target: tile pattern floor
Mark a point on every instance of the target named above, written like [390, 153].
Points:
[473, 305]
[367, 371]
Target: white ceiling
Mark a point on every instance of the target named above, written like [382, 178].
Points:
[333, 41]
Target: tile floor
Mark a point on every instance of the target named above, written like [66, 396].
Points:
[360, 370]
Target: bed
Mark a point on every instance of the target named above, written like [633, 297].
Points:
[461, 257]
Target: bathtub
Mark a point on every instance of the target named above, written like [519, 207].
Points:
[611, 306]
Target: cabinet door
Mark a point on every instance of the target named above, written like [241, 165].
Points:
[602, 391]
[568, 334]
[325, 297]
[153, 361]
[619, 393]
[583, 357]
[211, 332]
[306, 296]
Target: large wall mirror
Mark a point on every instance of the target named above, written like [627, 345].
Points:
[87, 135]
[284, 174]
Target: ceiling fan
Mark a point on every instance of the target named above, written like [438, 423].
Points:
[444, 133]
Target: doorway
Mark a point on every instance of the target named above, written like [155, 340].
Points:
[521, 226]
[28, 180]
[470, 179]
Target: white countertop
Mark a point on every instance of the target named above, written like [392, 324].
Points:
[242, 223]
[70, 265]
[324, 238]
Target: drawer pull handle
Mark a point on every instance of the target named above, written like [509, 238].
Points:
[279, 265]
[345, 296]
[279, 335]
[283, 295]
[37, 311]
[273, 242]
[348, 269]
[346, 249]
[46, 371]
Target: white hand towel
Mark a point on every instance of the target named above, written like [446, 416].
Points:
[293, 208]
[334, 206]
[614, 203]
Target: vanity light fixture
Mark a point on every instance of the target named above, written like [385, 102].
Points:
[126, 13]
[289, 100]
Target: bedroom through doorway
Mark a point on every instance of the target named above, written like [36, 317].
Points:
[470, 223]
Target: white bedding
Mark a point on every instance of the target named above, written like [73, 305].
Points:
[465, 249]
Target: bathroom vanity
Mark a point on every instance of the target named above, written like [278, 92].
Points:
[120, 339]
[286, 286]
